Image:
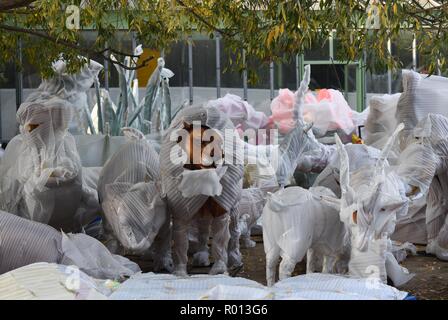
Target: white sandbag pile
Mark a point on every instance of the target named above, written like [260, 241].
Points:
[320, 286]
[170, 287]
[49, 281]
[220, 287]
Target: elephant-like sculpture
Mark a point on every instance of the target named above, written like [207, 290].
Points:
[135, 215]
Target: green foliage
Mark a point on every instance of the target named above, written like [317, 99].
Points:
[265, 29]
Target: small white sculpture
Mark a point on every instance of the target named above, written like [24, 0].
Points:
[297, 221]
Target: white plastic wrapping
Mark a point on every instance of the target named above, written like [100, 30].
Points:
[424, 166]
[371, 199]
[381, 121]
[296, 220]
[359, 155]
[41, 171]
[422, 95]
[329, 112]
[92, 257]
[129, 190]
[72, 89]
[23, 242]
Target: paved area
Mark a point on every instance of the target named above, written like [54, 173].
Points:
[430, 281]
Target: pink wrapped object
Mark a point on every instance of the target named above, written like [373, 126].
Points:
[282, 108]
[330, 112]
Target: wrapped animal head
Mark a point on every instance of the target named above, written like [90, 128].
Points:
[44, 124]
[371, 197]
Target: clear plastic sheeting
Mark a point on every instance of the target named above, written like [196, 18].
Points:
[296, 220]
[422, 95]
[129, 190]
[425, 167]
[45, 281]
[95, 150]
[381, 121]
[316, 157]
[328, 111]
[72, 89]
[23, 242]
[92, 257]
[412, 226]
[359, 155]
[41, 170]
[417, 165]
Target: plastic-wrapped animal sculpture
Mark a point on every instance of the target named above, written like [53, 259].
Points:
[202, 179]
[41, 170]
[72, 88]
[424, 166]
[370, 215]
[297, 221]
[135, 216]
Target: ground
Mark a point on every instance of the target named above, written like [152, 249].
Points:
[430, 281]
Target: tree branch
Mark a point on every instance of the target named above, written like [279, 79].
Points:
[204, 21]
[14, 4]
[79, 48]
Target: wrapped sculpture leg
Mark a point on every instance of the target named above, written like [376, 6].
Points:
[235, 258]
[180, 246]
[313, 261]
[398, 274]
[201, 257]
[221, 236]
[286, 268]
[162, 249]
[271, 264]
[328, 264]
